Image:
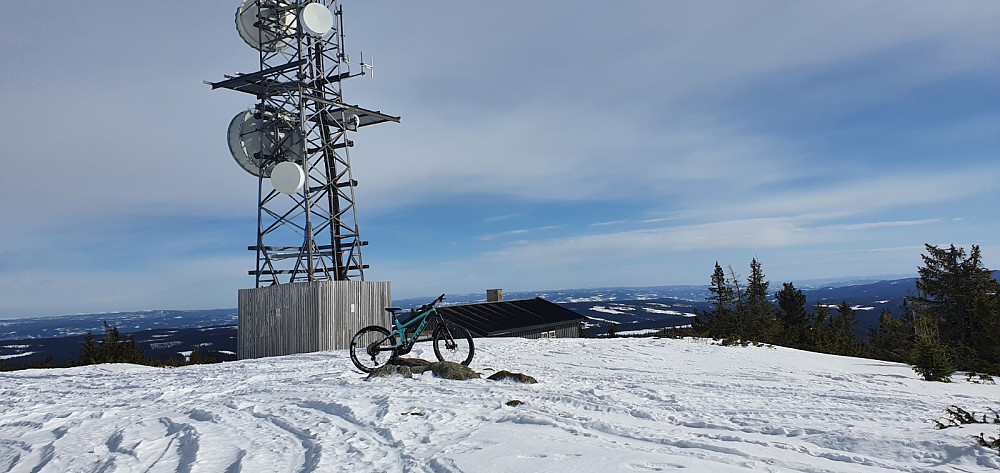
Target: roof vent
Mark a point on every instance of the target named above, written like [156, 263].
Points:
[494, 295]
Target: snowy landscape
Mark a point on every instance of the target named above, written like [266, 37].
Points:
[599, 405]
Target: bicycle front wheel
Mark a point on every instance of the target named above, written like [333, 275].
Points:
[453, 343]
[372, 347]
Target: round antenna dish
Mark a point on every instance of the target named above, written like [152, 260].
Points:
[287, 177]
[353, 122]
[344, 121]
[255, 147]
[272, 33]
[238, 144]
[316, 19]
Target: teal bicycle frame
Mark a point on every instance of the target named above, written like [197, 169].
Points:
[401, 329]
[420, 321]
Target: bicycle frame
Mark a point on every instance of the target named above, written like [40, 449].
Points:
[420, 321]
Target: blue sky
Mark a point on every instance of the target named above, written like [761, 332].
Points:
[543, 145]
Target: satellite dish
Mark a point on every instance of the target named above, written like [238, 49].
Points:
[254, 150]
[344, 121]
[316, 19]
[288, 177]
[275, 35]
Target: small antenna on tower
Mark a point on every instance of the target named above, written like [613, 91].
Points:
[370, 67]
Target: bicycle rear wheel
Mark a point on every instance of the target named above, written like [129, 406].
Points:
[453, 343]
[372, 347]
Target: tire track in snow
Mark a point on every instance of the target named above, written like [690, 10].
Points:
[312, 450]
[186, 437]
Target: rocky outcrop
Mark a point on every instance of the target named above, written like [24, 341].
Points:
[391, 370]
[504, 375]
[452, 370]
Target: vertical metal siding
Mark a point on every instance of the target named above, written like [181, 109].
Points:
[306, 317]
[563, 331]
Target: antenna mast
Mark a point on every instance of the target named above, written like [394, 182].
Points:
[307, 227]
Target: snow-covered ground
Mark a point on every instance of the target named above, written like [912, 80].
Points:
[600, 405]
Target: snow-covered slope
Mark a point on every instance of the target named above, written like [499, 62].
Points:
[600, 405]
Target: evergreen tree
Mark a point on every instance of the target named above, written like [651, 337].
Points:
[111, 349]
[89, 353]
[793, 316]
[821, 332]
[929, 357]
[892, 340]
[842, 338]
[720, 322]
[759, 315]
[959, 293]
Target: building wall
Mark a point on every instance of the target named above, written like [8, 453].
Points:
[570, 330]
[307, 317]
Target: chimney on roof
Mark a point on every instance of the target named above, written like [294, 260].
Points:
[494, 295]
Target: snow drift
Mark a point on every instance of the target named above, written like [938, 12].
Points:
[599, 405]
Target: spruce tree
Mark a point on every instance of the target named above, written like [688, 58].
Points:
[720, 322]
[956, 290]
[761, 324]
[89, 353]
[842, 325]
[929, 357]
[821, 332]
[892, 340]
[793, 316]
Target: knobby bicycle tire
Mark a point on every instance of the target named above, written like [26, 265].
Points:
[369, 348]
[453, 343]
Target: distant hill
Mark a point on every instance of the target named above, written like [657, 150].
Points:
[159, 344]
[127, 322]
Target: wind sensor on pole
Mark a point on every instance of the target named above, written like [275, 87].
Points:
[294, 140]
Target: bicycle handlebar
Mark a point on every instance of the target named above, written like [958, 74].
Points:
[428, 305]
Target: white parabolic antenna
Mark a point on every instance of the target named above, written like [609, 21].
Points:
[247, 141]
[287, 177]
[265, 39]
[316, 19]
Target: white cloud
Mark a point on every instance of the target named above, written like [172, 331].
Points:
[872, 225]
[870, 194]
[500, 218]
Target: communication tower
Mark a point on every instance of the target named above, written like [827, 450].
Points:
[295, 141]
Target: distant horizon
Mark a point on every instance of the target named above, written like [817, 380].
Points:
[800, 284]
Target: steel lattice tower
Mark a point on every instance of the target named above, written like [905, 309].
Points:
[311, 233]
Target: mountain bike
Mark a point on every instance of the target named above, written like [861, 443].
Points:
[374, 346]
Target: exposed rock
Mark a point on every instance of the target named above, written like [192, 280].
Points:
[411, 362]
[416, 365]
[452, 370]
[504, 375]
[410, 366]
[391, 370]
[514, 402]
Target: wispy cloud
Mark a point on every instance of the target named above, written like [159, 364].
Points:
[499, 218]
[872, 225]
[521, 231]
[609, 223]
[870, 194]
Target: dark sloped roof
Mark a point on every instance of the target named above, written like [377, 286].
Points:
[498, 318]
